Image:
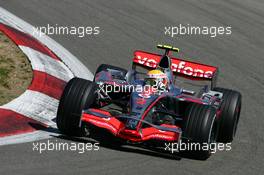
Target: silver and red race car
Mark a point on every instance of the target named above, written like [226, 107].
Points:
[146, 106]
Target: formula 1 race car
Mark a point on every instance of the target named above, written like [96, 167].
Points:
[144, 105]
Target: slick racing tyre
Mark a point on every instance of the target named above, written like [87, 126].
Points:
[77, 95]
[229, 117]
[199, 131]
[107, 67]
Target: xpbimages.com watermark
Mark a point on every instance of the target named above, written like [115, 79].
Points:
[80, 31]
[183, 146]
[212, 31]
[48, 145]
[126, 88]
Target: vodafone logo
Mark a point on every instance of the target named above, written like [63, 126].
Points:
[145, 61]
[179, 66]
[191, 71]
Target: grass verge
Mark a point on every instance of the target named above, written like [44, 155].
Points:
[15, 70]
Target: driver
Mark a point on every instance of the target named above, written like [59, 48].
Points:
[157, 80]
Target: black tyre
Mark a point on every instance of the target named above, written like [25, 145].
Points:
[199, 128]
[106, 67]
[77, 95]
[229, 117]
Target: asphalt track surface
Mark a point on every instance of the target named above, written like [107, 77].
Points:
[129, 25]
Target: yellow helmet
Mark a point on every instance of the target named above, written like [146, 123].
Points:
[158, 78]
[156, 74]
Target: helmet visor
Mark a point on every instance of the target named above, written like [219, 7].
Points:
[151, 81]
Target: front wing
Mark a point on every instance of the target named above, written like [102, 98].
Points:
[103, 119]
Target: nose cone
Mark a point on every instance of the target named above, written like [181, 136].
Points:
[139, 102]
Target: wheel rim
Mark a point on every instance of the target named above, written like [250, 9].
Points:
[237, 113]
[212, 138]
[213, 131]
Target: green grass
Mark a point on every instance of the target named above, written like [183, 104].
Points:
[4, 75]
[15, 70]
[6, 40]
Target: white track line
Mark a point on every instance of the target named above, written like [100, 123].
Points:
[35, 105]
[28, 137]
[44, 63]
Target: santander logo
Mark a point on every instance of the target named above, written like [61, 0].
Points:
[179, 66]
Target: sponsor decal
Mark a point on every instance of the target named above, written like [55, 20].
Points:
[103, 124]
[179, 66]
[141, 101]
[144, 95]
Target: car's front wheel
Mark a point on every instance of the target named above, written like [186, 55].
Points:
[78, 94]
[230, 112]
[199, 131]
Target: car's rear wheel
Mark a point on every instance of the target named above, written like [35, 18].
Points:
[199, 131]
[77, 95]
[229, 117]
[107, 67]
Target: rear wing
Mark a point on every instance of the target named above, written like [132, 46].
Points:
[184, 68]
